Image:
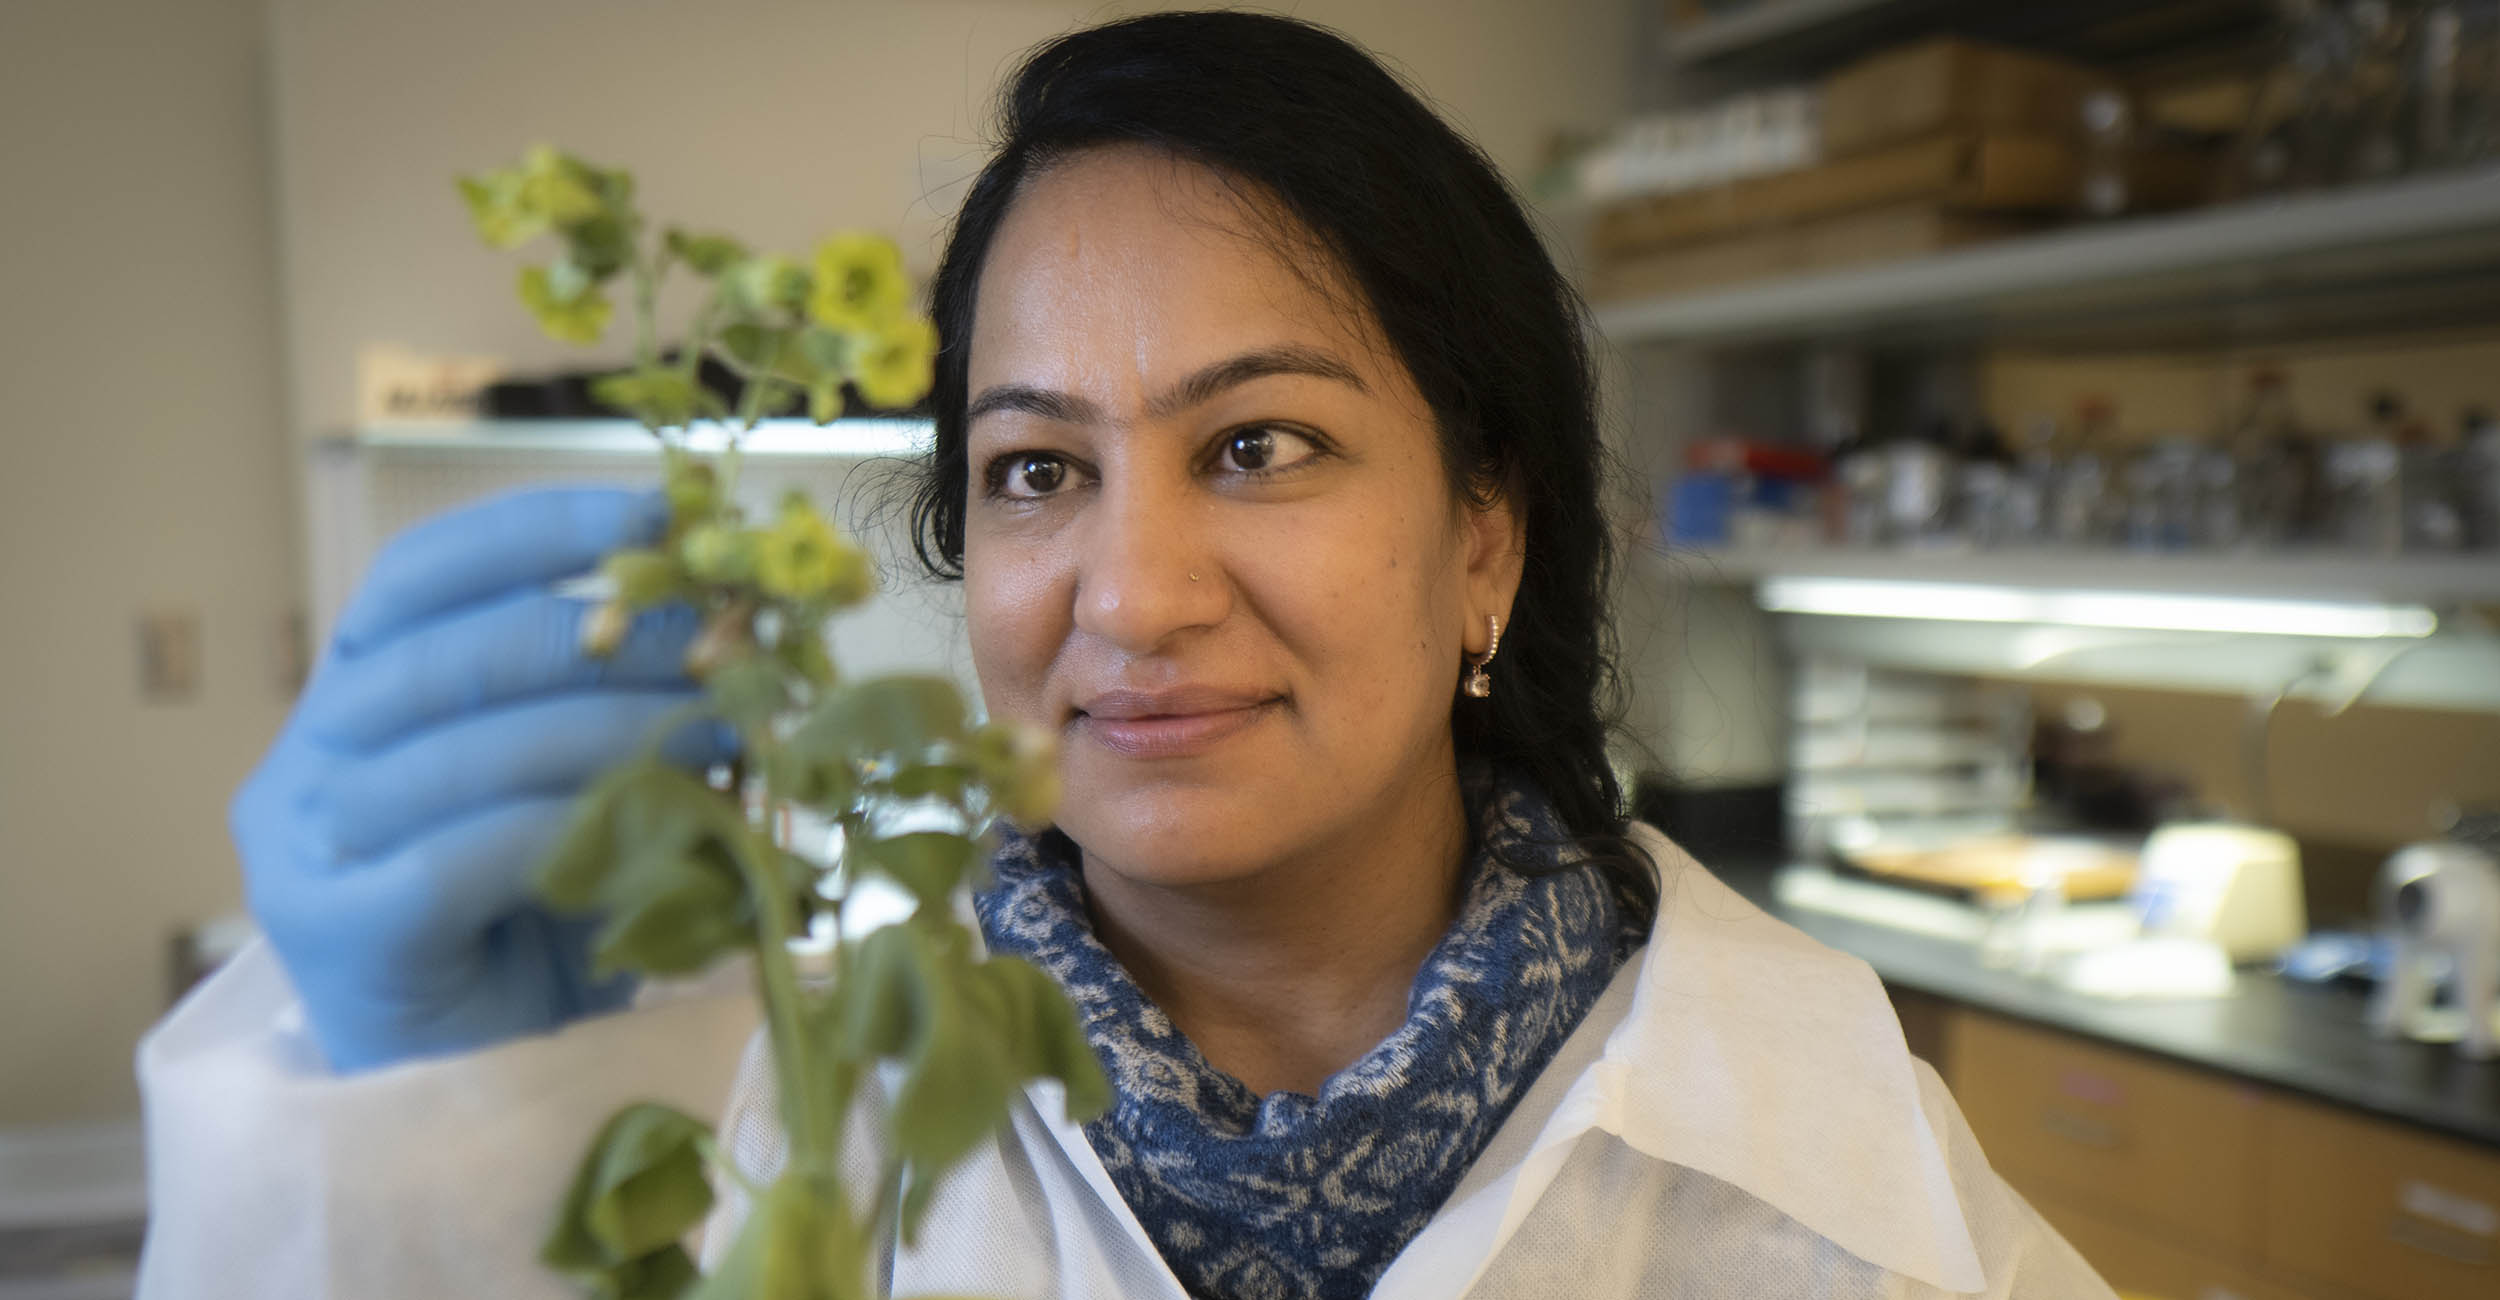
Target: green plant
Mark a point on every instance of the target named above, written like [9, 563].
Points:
[686, 873]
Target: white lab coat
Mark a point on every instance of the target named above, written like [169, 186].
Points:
[1737, 1117]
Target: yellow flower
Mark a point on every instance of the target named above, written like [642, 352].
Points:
[801, 558]
[892, 366]
[859, 282]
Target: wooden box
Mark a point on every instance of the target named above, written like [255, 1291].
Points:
[1948, 83]
[1876, 235]
[1957, 172]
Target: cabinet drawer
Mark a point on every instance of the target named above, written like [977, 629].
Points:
[2134, 1139]
[2381, 1209]
[2142, 1266]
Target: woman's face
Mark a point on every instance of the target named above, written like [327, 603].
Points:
[1209, 541]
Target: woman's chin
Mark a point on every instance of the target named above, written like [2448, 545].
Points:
[1175, 835]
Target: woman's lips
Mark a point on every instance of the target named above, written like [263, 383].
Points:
[1179, 726]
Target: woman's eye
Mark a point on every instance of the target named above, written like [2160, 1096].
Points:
[1264, 449]
[1029, 475]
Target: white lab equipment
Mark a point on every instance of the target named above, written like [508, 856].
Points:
[2237, 886]
[2439, 905]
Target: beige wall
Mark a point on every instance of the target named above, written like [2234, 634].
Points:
[776, 118]
[145, 467]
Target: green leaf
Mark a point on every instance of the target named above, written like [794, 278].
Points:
[495, 208]
[560, 187]
[826, 350]
[888, 717]
[931, 781]
[882, 999]
[660, 396]
[1052, 1041]
[602, 244]
[671, 913]
[664, 1274]
[765, 284]
[638, 1190]
[822, 784]
[580, 320]
[958, 1081]
[802, 647]
[824, 401]
[750, 344]
[749, 691]
[693, 487]
[638, 808]
[567, 281]
[706, 254]
[569, 877]
[928, 863]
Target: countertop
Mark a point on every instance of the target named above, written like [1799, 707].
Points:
[2302, 1038]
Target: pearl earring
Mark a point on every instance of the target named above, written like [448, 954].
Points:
[1478, 685]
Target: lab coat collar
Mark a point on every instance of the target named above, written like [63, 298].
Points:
[1764, 1059]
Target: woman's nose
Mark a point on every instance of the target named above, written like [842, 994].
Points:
[1146, 569]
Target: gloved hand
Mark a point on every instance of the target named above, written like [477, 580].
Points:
[389, 836]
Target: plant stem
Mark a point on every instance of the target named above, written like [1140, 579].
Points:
[646, 313]
[751, 402]
[710, 1150]
[777, 981]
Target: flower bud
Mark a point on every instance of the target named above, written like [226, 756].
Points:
[727, 636]
[718, 552]
[693, 490]
[604, 630]
[642, 578]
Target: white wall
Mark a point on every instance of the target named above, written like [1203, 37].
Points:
[774, 118]
[143, 465]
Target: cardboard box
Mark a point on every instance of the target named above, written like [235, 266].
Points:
[1959, 172]
[1948, 83]
[1876, 235]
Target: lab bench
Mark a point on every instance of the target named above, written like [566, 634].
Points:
[2263, 1145]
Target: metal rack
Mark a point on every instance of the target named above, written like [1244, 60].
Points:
[2416, 252]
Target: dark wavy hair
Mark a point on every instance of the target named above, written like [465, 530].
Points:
[1438, 248]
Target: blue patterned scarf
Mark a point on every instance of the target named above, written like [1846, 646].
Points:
[1252, 1197]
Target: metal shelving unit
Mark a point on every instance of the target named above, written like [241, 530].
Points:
[2418, 252]
[2436, 580]
[2455, 668]
[1794, 35]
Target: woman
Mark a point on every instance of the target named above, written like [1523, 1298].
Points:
[1267, 457]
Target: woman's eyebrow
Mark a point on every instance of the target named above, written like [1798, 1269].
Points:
[1284, 359]
[1201, 386]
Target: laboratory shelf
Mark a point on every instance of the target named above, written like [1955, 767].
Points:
[609, 438]
[2413, 253]
[2438, 580]
[1796, 36]
[2456, 666]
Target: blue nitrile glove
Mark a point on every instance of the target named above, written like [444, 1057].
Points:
[390, 835]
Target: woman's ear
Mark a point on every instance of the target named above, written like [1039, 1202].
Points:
[1497, 550]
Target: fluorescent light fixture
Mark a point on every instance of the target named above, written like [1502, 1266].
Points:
[2153, 611]
[859, 437]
